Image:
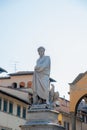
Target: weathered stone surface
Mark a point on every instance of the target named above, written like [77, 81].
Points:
[43, 115]
[39, 107]
[41, 118]
[43, 127]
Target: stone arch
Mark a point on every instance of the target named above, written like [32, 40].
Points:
[75, 106]
[14, 85]
[29, 84]
[83, 97]
[75, 98]
[22, 84]
[78, 90]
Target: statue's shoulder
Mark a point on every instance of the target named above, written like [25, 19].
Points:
[48, 57]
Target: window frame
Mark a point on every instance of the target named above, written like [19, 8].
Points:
[0, 103]
[66, 125]
[24, 113]
[18, 110]
[10, 107]
[5, 105]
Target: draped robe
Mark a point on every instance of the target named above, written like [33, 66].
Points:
[41, 83]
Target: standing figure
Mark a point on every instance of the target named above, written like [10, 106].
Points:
[41, 82]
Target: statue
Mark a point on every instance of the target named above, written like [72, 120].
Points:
[53, 96]
[41, 82]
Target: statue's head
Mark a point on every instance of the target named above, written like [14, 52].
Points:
[41, 48]
[41, 51]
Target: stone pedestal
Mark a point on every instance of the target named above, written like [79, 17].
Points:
[42, 117]
[42, 127]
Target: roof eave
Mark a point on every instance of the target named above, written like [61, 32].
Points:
[8, 94]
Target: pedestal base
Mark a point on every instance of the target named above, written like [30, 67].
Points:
[41, 117]
[42, 127]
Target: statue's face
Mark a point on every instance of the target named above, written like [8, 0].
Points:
[41, 52]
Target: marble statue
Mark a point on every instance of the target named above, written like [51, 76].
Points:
[41, 82]
[53, 96]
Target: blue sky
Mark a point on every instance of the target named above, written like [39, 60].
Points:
[58, 25]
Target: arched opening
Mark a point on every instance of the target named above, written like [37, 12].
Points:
[14, 85]
[78, 101]
[22, 84]
[29, 84]
[79, 115]
[81, 108]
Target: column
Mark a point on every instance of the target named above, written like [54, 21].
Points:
[73, 121]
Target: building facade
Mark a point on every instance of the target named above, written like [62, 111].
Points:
[13, 110]
[15, 93]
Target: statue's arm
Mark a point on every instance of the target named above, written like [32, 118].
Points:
[45, 64]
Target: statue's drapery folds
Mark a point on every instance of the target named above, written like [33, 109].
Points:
[41, 83]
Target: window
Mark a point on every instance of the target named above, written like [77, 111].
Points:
[29, 84]
[22, 84]
[5, 105]
[84, 118]
[0, 103]
[66, 125]
[3, 129]
[18, 111]
[10, 107]
[14, 85]
[24, 112]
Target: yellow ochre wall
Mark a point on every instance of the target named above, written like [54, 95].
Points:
[77, 91]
